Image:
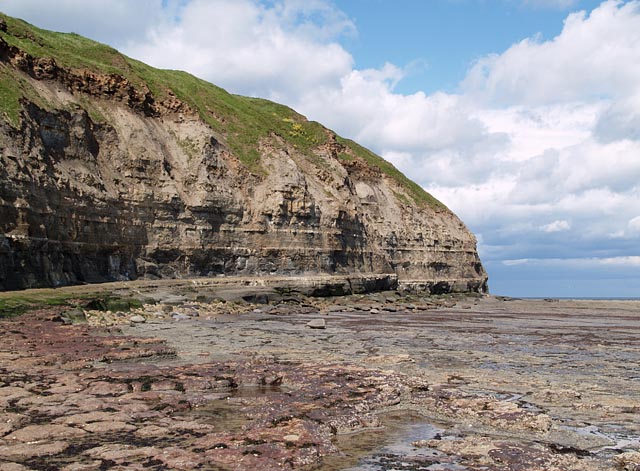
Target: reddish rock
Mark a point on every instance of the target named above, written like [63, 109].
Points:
[120, 453]
[90, 466]
[10, 422]
[104, 388]
[89, 417]
[12, 393]
[109, 427]
[177, 458]
[189, 426]
[166, 385]
[38, 433]
[150, 431]
[21, 451]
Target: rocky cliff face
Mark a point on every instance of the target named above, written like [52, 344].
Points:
[102, 178]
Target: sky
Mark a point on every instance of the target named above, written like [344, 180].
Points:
[522, 116]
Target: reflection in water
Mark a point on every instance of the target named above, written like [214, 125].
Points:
[227, 414]
[390, 448]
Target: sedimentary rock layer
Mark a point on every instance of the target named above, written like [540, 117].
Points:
[101, 179]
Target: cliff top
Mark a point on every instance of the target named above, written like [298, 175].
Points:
[243, 123]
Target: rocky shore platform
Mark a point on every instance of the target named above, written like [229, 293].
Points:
[258, 377]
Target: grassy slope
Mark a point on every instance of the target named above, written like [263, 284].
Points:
[243, 121]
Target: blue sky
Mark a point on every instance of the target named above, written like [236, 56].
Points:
[437, 40]
[443, 37]
[523, 116]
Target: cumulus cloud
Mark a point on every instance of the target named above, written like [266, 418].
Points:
[620, 120]
[556, 226]
[275, 51]
[630, 232]
[114, 22]
[595, 55]
[634, 225]
[367, 108]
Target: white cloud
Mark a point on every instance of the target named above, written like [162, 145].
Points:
[634, 224]
[556, 226]
[366, 108]
[273, 49]
[516, 262]
[113, 22]
[630, 232]
[595, 55]
[588, 262]
[620, 120]
[534, 130]
[314, 19]
[632, 261]
[276, 51]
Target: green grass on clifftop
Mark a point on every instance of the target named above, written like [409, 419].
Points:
[243, 122]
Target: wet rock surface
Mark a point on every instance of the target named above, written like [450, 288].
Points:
[427, 383]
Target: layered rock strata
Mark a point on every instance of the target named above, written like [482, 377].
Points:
[100, 180]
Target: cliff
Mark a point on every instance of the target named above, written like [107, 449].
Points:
[113, 170]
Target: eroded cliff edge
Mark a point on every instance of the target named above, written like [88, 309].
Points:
[110, 170]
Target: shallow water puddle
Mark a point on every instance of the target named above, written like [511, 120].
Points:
[224, 415]
[390, 448]
[227, 413]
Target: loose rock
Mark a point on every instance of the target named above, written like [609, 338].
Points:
[317, 324]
